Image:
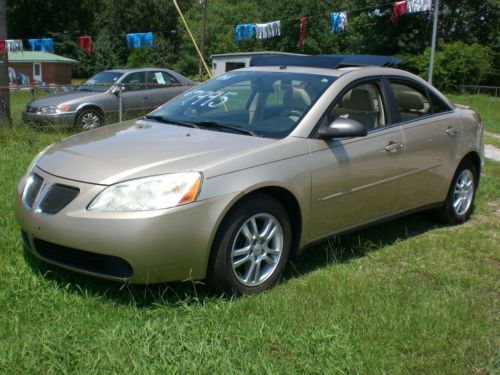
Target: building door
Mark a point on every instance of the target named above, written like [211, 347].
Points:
[37, 71]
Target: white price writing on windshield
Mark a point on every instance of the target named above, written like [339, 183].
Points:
[212, 99]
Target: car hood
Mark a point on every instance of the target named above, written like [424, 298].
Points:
[140, 148]
[67, 98]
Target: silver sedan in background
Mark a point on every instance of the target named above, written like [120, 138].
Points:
[96, 101]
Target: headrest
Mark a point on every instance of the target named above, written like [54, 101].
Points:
[410, 100]
[297, 98]
[358, 100]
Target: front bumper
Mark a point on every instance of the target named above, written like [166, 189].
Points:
[49, 119]
[162, 245]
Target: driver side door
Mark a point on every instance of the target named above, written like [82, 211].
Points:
[355, 180]
[135, 95]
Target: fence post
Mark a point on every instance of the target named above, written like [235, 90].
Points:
[120, 104]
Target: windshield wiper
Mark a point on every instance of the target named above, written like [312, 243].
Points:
[166, 120]
[220, 125]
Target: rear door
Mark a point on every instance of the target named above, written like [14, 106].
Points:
[431, 132]
[356, 180]
[162, 87]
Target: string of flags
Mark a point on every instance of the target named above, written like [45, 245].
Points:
[138, 40]
[338, 21]
[338, 24]
[134, 40]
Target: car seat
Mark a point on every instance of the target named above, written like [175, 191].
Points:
[410, 104]
[358, 105]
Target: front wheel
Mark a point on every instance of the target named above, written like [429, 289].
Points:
[88, 119]
[460, 200]
[251, 248]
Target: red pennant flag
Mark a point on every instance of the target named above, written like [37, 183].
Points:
[303, 23]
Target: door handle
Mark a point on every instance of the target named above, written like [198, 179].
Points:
[393, 146]
[451, 131]
[147, 97]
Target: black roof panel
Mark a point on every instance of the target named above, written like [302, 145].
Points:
[324, 61]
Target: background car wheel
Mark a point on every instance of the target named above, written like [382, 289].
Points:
[251, 248]
[89, 118]
[460, 200]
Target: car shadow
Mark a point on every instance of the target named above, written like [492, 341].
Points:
[337, 250]
[356, 244]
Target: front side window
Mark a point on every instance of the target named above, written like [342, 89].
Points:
[100, 82]
[362, 103]
[411, 100]
[134, 81]
[268, 104]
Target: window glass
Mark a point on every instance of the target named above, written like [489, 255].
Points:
[234, 65]
[160, 79]
[411, 100]
[438, 106]
[100, 82]
[134, 81]
[362, 103]
[270, 104]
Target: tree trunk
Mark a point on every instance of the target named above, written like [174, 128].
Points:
[4, 68]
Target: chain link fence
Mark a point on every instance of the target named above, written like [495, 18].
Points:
[84, 107]
[481, 90]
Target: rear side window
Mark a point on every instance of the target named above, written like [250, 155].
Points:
[156, 79]
[438, 106]
[411, 100]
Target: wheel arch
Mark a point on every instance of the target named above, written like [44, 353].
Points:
[475, 159]
[285, 197]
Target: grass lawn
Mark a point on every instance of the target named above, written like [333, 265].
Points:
[487, 106]
[405, 297]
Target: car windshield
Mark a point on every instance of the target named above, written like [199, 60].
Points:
[100, 82]
[265, 104]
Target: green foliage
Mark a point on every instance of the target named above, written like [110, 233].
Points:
[473, 22]
[138, 57]
[107, 53]
[455, 64]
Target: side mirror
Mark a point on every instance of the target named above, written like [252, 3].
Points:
[117, 89]
[343, 128]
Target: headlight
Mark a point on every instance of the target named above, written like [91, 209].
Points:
[150, 193]
[61, 108]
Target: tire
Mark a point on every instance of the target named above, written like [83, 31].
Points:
[89, 118]
[460, 199]
[244, 260]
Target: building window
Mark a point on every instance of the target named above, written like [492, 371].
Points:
[234, 65]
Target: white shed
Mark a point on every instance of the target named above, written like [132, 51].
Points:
[226, 62]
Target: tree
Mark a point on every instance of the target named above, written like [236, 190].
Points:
[4, 68]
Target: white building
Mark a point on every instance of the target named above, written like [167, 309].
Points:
[225, 62]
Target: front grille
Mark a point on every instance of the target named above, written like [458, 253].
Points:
[32, 109]
[32, 189]
[58, 197]
[105, 265]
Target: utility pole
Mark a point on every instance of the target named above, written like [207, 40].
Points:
[4, 68]
[433, 42]
[204, 4]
